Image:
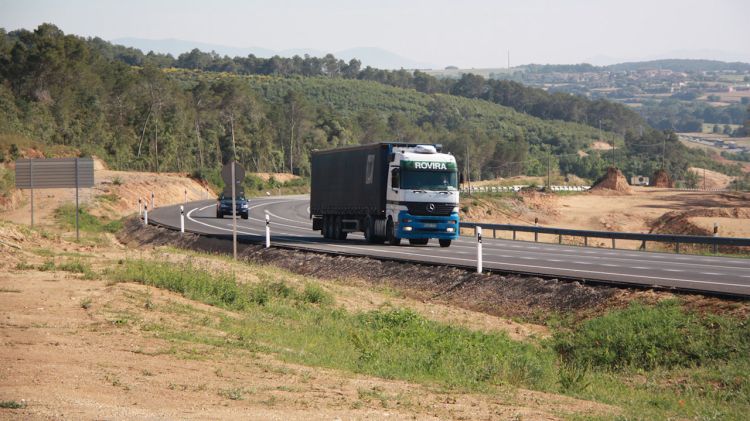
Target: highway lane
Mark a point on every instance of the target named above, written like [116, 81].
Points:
[290, 225]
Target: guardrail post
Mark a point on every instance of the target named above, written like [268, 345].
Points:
[559, 238]
[677, 247]
[145, 215]
[268, 232]
[585, 241]
[182, 219]
[716, 234]
[536, 234]
[514, 235]
[493, 233]
[613, 242]
[479, 249]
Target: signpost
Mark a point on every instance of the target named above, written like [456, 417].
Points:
[55, 173]
[233, 174]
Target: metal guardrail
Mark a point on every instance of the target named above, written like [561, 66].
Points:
[586, 234]
[517, 188]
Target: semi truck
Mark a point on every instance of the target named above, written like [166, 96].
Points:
[389, 191]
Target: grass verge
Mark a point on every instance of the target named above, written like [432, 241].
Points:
[653, 361]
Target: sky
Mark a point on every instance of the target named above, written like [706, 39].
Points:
[464, 33]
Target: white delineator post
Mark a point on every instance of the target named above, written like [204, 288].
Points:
[268, 232]
[185, 196]
[152, 201]
[140, 207]
[479, 249]
[145, 215]
[182, 219]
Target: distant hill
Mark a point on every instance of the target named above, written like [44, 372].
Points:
[369, 56]
[682, 65]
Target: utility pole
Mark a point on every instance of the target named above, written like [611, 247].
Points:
[663, 150]
[549, 163]
[704, 179]
[468, 168]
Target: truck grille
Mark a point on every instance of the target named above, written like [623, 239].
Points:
[430, 209]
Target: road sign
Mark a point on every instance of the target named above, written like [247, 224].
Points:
[54, 173]
[239, 176]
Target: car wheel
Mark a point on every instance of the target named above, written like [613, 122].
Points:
[245, 216]
[445, 243]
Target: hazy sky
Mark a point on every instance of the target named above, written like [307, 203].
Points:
[469, 33]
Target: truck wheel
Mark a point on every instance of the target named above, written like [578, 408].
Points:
[390, 234]
[326, 226]
[338, 228]
[370, 231]
[419, 241]
[445, 243]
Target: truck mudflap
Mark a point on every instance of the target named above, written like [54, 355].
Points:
[411, 226]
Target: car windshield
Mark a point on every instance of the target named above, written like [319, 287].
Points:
[429, 180]
[239, 198]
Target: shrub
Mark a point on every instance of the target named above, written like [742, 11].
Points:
[648, 337]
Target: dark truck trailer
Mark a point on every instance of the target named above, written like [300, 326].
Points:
[389, 191]
[349, 181]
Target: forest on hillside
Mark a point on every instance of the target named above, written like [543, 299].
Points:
[153, 112]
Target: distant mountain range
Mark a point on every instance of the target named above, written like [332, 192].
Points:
[369, 56]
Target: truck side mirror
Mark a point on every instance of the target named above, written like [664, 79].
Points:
[395, 178]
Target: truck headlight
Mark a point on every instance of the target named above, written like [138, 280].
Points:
[407, 228]
[450, 229]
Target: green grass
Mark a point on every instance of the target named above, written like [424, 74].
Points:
[12, 404]
[66, 215]
[649, 337]
[653, 361]
[304, 327]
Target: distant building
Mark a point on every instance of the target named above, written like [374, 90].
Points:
[638, 180]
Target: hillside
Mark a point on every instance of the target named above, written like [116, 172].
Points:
[85, 95]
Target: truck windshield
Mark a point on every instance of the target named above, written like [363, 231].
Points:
[429, 180]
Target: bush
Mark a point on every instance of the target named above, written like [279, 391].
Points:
[649, 337]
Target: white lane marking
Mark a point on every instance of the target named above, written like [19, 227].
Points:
[489, 247]
[712, 273]
[488, 262]
[641, 267]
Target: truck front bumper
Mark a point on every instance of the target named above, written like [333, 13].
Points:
[415, 227]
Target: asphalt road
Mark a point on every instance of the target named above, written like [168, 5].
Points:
[290, 225]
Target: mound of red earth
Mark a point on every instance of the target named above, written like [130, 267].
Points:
[679, 222]
[661, 179]
[613, 181]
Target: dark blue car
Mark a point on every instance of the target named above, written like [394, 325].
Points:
[224, 206]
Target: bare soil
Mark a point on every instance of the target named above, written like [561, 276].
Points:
[114, 195]
[637, 212]
[82, 349]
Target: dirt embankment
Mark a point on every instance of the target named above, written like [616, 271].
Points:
[114, 195]
[494, 294]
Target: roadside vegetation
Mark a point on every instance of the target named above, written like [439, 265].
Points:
[654, 361]
[66, 216]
